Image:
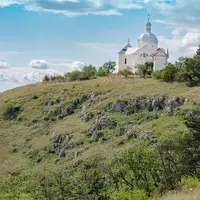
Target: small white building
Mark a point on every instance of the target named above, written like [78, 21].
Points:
[147, 51]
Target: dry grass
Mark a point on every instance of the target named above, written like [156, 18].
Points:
[29, 137]
[184, 195]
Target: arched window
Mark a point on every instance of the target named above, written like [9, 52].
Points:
[125, 62]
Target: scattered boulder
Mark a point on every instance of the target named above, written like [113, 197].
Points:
[96, 135]
[87, 117]
[48, 103]
[157, 104]
[173, 103]
[104, 122]
[191, 113]
[119, 106]
[11, 112]
[62, 154]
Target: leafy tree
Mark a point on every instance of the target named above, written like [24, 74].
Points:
[89, 71]
[101, 72]
[46, 78]
[126, 72]
[109, 67]
[145, 69]
[169, 73]
[75, 75]
[191, 68]
[158, 74]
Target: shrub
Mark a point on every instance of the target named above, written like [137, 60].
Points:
[10, 112]
[190, 182]
[126, 72]
[137, 195]
[169, 73]
[101, 72]
[109, 67]
[46, 78]
[145, 69]
[158, 74]
[75, 75]
[89, 71]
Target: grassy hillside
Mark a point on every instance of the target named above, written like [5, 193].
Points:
[46, 125]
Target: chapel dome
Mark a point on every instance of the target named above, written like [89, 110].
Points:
[148, 38]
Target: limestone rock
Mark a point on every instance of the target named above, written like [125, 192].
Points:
[119, 106]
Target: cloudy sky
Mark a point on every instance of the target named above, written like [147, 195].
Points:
[50, 36]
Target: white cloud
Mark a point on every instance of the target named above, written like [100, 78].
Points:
[181, 45]
[76, 7]
[39, 64]
[4, 65]
[18, 76]
[68, 67]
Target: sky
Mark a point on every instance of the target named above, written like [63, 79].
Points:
[40, 37]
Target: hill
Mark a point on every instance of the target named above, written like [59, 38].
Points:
[51, 126]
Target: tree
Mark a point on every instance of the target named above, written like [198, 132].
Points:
[46, 78]
[126, 72]
[169, 73]
[89, 71]
[188, 69]
[109, 67]
[145, 69]
[101, 72]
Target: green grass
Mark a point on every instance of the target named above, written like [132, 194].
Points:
[28, 137]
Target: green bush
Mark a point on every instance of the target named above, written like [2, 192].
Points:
[190, 182]
[184, 70]
[145, 69]
[46, 78]
[169, 73]
[158, 74]
[137, 195]
[126, 72]
[101, 72]
[10, 112]
[89, 71]
[75, 75]
[109, 67]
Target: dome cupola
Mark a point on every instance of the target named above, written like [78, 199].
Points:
[147, 37]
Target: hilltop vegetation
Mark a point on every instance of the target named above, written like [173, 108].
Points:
[105, 138]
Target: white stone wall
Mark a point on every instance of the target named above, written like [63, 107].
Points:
[121, 62]
[140, 57]
[159, 62]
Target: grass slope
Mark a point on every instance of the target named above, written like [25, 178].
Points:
[25, 140]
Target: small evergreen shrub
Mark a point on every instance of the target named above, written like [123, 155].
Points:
[136, 195]
[10, 112]
[190, 183]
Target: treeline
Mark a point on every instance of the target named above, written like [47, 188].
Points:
[149, 167]
[184, 70]
[86, 73]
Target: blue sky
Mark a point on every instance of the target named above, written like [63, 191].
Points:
[61, 32]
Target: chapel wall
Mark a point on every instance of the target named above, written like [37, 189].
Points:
[159, 62]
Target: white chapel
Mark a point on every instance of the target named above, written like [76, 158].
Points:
[147, 51]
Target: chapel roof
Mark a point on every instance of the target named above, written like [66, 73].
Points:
[159, 50]
[123, 51]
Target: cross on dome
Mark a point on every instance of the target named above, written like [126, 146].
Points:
[148, 18]
[148, 25]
